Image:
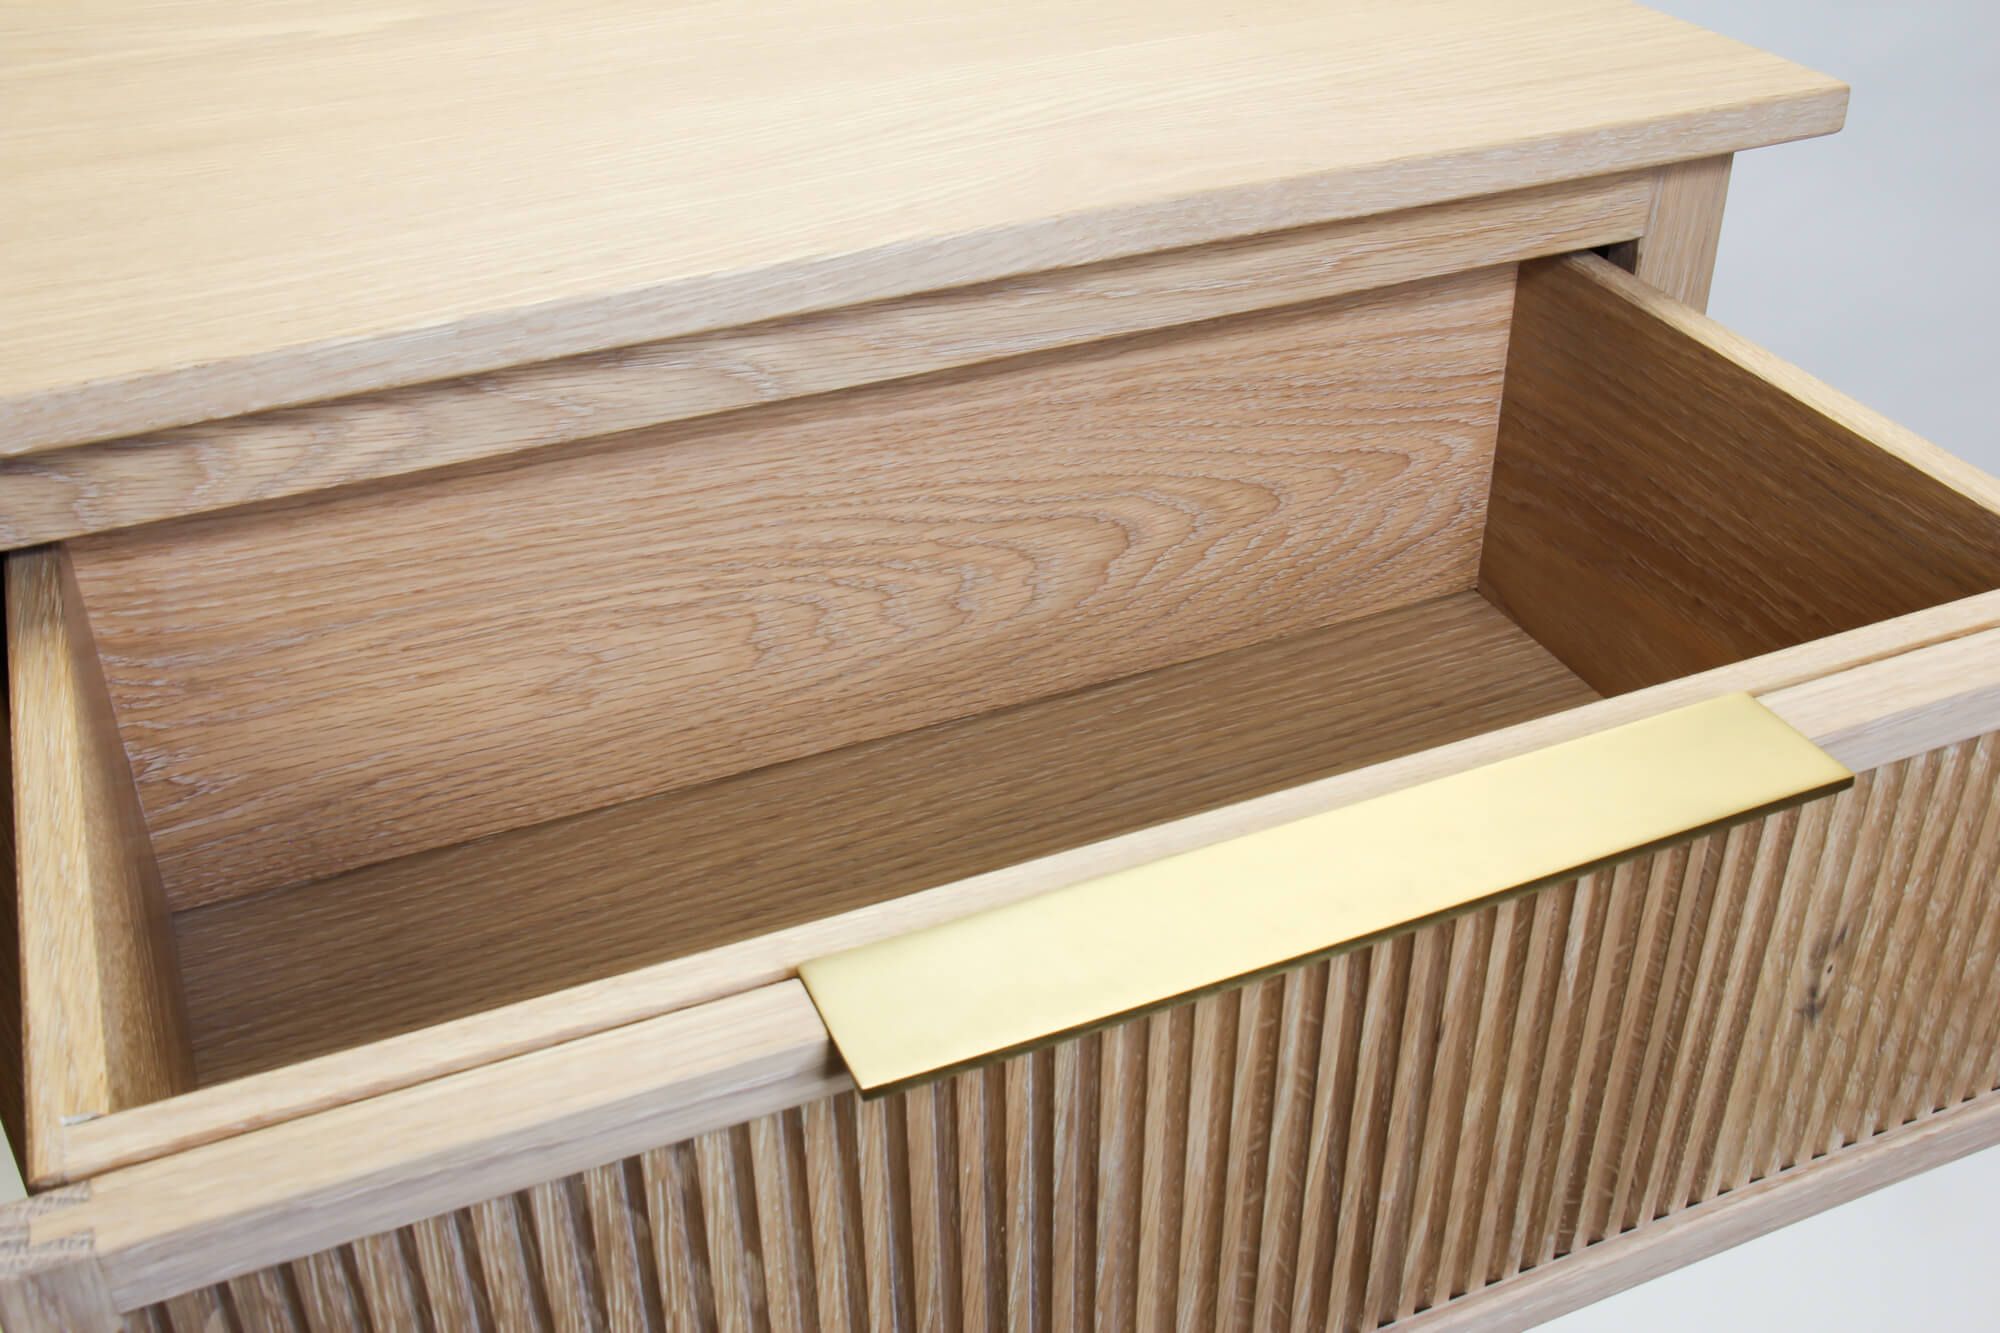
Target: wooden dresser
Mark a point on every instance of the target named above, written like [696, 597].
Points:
[1023, 666]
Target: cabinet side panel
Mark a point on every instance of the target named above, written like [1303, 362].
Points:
[1684, 228]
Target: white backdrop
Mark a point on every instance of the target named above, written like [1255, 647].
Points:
[1871, 259]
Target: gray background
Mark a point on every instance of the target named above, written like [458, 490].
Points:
[1870, 259]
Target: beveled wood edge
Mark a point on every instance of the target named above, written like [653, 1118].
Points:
[487, 342]
[370, 1071]
[1539, 1294]
[93, 487]
[103, 1023]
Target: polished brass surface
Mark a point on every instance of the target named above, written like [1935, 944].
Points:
[951, 995]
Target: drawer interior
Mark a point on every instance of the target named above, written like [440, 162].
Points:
[312, 967]
[410, 751]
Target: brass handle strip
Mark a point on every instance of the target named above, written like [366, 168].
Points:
[988, 985]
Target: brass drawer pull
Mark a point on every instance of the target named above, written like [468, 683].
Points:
[942, 998]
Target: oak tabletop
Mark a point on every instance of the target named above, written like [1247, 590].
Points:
[222, 206]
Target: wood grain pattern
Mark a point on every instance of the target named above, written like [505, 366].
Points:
[1885, 711]
[327, 684]
[295, 972]
[515, 188]
[100, 994]
[504, 1128]
[1381, 1051]
[207, 1114]
[1676, 251]
[65, 493]
[1667, 497]
[13, 1048]
[1709, 1228]
[64, 1298]
[52, 1287]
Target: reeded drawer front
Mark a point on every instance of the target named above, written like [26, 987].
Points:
[1337, 1147]
[410, 807]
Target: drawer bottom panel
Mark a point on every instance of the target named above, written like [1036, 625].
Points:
[1338, 1147]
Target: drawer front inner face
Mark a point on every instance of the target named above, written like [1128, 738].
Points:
[334, 682]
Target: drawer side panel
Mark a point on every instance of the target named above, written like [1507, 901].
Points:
[1668, 498]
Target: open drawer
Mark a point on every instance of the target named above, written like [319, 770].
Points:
[329, 798]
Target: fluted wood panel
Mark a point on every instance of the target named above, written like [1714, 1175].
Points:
[1334, 1148]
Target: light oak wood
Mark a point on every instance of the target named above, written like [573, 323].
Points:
[13, 1049]
[56, 1286]
[689, 603]
[1676, 252]
[73, 1297]
[524, 188]
[103, 1023]
[1611, 967]
[1709, 1228]
[1027, 974]
[1394, 1025]
[1668, 498]
[297, 972]
[323, 682]
[66, 493]
[1595, 1165]
[332, 1080]
[1885, 711]
[502, 1128]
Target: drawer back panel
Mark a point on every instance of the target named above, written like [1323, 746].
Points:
[324, 684]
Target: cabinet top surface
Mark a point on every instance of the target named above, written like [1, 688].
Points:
[216, 207]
